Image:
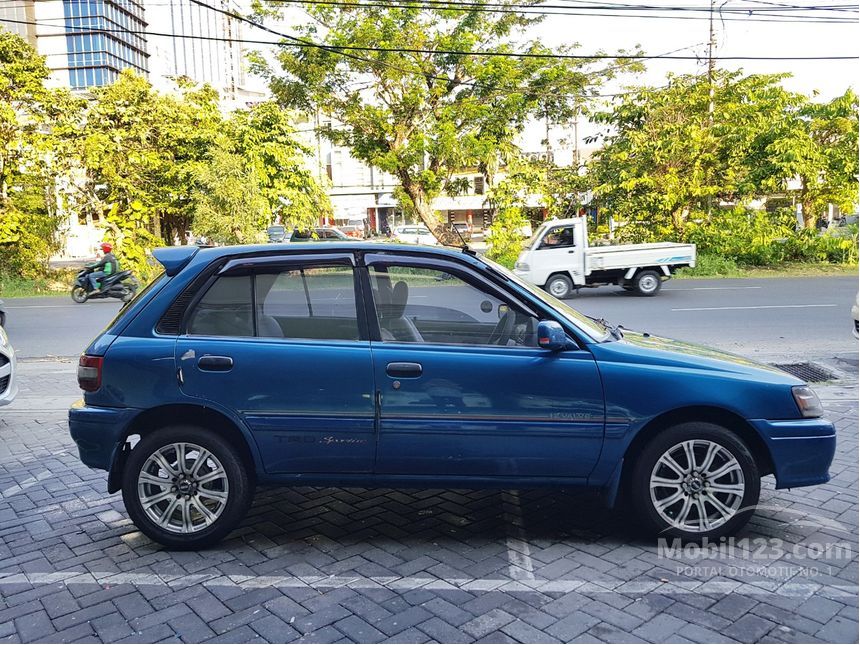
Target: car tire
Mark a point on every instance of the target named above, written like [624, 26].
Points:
[708, 504]
[559, 285]
[647, 283]
[79, 295]
[188, 506]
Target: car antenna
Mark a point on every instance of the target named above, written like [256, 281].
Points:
[465, 248]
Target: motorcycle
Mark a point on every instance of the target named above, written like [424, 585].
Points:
[122, 285]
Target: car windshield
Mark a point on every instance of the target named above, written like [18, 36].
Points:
[538, 234]
[594, 329]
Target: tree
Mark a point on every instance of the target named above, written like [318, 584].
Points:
[667, 155]
[422, 116]
[230, 207]
[817, 144]
[33, 122]
[264, 137]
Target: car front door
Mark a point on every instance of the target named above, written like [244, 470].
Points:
[463, 388]
[281, 344]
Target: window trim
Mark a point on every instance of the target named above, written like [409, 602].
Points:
[550, 231]
[473, 279]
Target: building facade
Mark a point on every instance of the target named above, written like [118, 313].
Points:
[86, 43]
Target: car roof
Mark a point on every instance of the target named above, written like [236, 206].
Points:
[176, 258]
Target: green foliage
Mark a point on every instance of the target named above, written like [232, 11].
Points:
[140, 164]
[677, 152]
[423, 116]
[231, 207]
[757, 238]
[710, 264]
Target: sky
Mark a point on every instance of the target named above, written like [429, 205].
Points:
[737, 36]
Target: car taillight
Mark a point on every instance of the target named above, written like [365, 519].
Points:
[90, 372]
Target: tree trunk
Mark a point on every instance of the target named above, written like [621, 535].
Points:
[421, 204]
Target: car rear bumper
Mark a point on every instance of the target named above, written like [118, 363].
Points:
[98, 432]
[801, 450]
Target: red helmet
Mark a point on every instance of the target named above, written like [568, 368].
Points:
[107, 248]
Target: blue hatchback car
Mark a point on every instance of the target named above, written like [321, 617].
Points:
[354, 364]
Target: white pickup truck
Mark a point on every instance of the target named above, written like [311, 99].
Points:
[559, 259]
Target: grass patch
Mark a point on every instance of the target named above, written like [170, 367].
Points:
[56, 283]
[714, 266]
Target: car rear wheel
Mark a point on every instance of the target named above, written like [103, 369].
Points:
[185, 487]
[695, 481]
[559, 285]
[647, 283]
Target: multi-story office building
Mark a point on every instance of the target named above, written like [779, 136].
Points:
[206, 47]
[86, 43]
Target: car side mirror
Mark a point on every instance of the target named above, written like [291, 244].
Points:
[551, 336]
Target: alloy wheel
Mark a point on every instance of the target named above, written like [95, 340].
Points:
[697, 485]
[183, 488]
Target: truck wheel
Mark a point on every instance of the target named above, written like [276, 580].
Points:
[695, 481]
[559, 285]
[647, 283]
[185, 487]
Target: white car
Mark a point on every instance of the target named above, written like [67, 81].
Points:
[414, 234]
[8, 386]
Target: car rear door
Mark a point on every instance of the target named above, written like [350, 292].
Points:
[280, 343]
[458, 396]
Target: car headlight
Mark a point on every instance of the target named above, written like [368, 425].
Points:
[521, 266]
[807, 401]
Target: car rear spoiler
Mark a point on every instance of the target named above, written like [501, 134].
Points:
[174, 258]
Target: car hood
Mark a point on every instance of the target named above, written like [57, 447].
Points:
[643, 348]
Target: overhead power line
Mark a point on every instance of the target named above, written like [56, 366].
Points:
[349, 48]
[597, 10]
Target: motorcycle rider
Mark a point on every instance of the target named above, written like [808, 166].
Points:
[106, 267]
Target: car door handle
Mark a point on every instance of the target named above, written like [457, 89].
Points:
[215, 363]
[404, 370]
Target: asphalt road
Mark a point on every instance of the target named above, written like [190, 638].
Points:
[767, 318]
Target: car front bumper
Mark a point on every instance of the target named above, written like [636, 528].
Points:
[8, 382]
[801, 450]
[98, 432]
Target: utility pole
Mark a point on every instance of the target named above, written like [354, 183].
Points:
[711, 63]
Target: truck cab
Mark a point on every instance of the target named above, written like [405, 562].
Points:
[559, 259]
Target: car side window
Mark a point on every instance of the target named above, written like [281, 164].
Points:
[224, 310]
[557, 238]
[313, 302]
[420, 305]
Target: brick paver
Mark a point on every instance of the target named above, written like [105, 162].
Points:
[330, 565]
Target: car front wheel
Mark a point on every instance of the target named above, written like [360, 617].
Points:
[185, 487]
[695, 481]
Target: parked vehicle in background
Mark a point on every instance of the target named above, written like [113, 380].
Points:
[318, 234]
[394, 366]
[559, 259]
[414, 234]
[8, 385]
[277, 233]
[355, 231]
[464, 229]
[855, 313]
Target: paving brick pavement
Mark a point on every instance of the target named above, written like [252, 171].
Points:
[353, 565]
